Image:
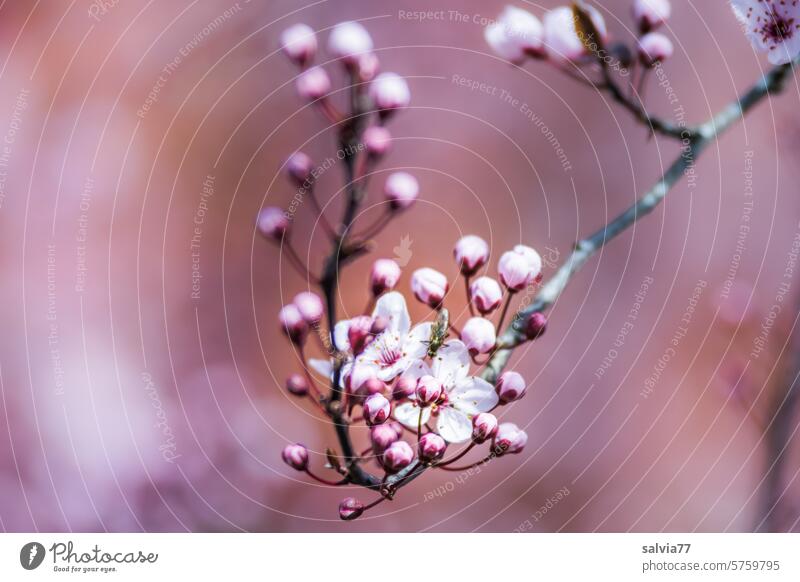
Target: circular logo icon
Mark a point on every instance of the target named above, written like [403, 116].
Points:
[31, 555]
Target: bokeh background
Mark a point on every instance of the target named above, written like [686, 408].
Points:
[131, 401]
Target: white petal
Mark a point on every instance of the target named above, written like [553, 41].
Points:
[392, 307]
[340, 335]
[473, 395]
[415, 345]
[453, 426]
[417, 370]
[451, 363]
[322, 367]
[408, 415]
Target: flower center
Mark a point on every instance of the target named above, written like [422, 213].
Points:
[776, 28]
[389, 352]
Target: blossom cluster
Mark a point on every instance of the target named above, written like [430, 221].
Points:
[417, 389]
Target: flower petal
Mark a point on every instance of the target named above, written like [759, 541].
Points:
[417, 370]
[322, 367]
[415, 345]
[392, 307]
[473, 395]
[451, 363]
[408, 415]
[340, 335]
[453, 426]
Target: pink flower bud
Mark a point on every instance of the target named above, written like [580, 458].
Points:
[397, 427]
[379, 325]
[515, 34]
[310, 306]
[479, 335]
[485, 294]
[298, 168]
[297, 384]
[376, 409]
[429, 286]
[510, 386]
[535, 325]
[299, 43]
[296, 456]
[377, 140]
[356, 378]
[401, 190]
[382, 436]
[293, 324]
[350, 508]
[429, 390]
[654, 48]
[313, 84]
[389, 91]
[373, 386]
[359, 333]
[368, 66]
[520, 267]
[384, 276]
[561, 38]
[272, 223]
[398, 456]
[471, 253]
[404, 387]
[509, 439]
[431, 447]
[484, 427]
[650, 14]
[348, 41]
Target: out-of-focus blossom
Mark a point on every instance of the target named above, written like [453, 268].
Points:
[562, 41]
[471, 253]
[272, 223]
[296, 384]
[511, 386]
[535, 325]
[377, 140]
[485, 294]
[368, 66]
[429, 286]
[515, 35]
[313, 84]
[381, 437]
[650, 14]
[654, 48]
[359, 333]
[389, 91]
[398, 456]
[404, 388]
[484, 427]
[349, 41]
[293, 324]
[479, 335]
[299, 43]
[465, 397]
[510, 439]
[350, 508]
[401, 190]
[519, 267]
[310, 306]
[431, 447]
[772, 26]
[384, 276]
[296, 456]
[377, 409]
[298, 168]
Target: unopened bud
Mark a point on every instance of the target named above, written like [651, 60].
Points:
[479, 335]
[510, 386]
[310, 306]
[296, 456]
[349, 41]
[654, 48]
[485, 294]
[297, 384]
[520, 267]
[429, 390]
[350, 508]
[431, 447]
[389, 91]
[377, 140]
[272, 223]
[471, 253]
[484, 427]
[398, 456]
[429, 286]
[298, 168]
[650, 14]
[384, 276]
[359, 333]
[510, 439]
[376, 409]
[382, 436]
[404, 387]
[401, 190]
[373, 386]
[293, 324]
[535, 325]
[299, 44]
[313, 84]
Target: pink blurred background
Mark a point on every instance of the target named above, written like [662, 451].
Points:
[129, 404]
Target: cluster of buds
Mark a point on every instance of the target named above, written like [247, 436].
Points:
[419, 389]
[561, 37]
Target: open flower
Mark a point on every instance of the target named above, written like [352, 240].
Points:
[465, 395]
[771, 25]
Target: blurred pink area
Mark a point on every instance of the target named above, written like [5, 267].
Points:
[131, 404]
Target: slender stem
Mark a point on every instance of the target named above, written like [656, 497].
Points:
[469, 299]
[326, 481]
[297, 262]
[326, 226]
[707, 132]
[419, 424]
[457, 457]
[472, 466]
[504, 312]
